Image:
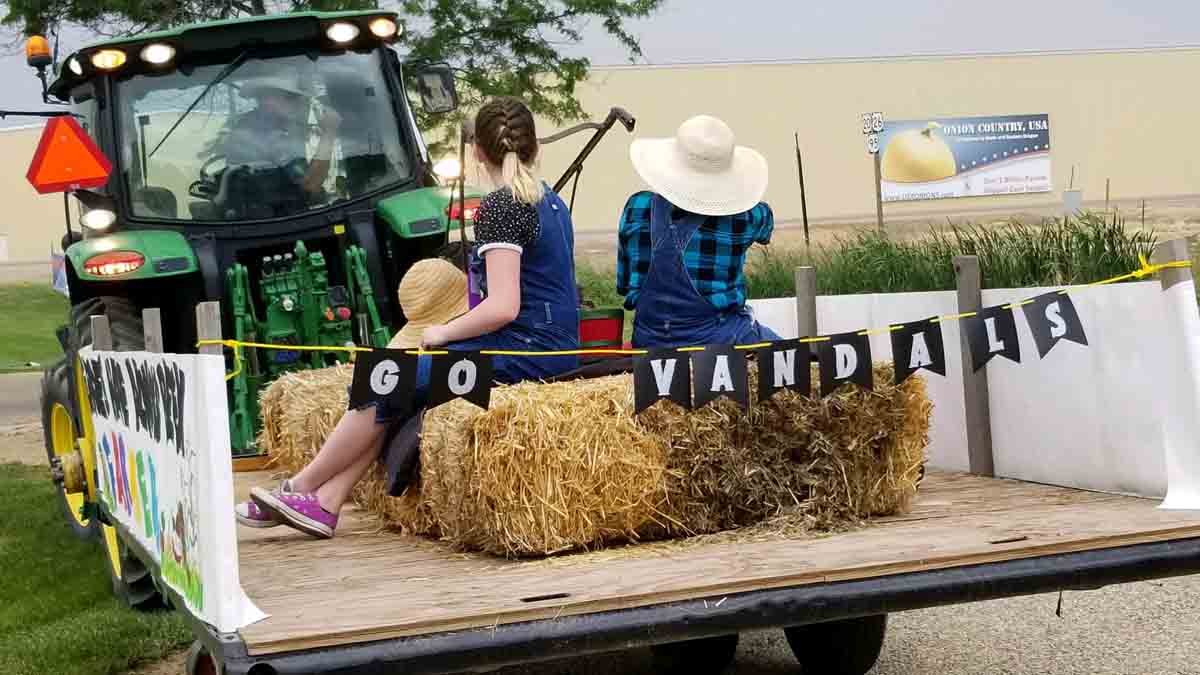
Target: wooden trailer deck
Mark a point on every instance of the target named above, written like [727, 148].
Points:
[371, 585]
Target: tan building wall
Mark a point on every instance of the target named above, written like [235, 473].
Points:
[1128, 116]
[29, 223]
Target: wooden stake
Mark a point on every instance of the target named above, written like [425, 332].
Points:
[1107, 184]
[101, 335]
[208, 326]
[152, 329]
[975, 385]
[806, 302]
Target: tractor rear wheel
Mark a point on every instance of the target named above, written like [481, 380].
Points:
[843, 647]
[124, 322]
[132, 582]
[61, 436]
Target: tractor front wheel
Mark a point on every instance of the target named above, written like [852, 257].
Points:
[61, 436]
[132, 583]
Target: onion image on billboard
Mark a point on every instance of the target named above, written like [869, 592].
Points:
[964, 157]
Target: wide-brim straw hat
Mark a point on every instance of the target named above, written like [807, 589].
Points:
[701, 170]
[432, 292]
[283, 82]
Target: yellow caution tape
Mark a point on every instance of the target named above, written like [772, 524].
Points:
[1145, 270]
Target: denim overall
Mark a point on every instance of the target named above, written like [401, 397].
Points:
[549, 316]
[670, 311]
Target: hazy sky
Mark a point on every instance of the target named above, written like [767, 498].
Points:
[721, 30]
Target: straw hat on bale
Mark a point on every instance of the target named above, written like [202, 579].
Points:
[432, 292]
[700, 169]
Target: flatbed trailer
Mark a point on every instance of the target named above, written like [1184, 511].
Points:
[373, 600]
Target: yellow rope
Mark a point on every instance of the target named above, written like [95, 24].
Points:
[1145, 270]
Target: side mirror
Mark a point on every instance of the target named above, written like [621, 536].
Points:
[435, 84]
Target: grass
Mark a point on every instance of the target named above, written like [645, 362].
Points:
[32, 312]
[58, 614]
[1051, 253]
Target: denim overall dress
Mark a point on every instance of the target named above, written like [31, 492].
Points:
[670, 311]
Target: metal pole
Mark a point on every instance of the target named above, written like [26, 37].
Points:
[1107, 185]
[878, 193]
[803, 199]
[462, 197]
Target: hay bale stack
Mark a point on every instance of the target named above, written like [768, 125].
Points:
[556, 467]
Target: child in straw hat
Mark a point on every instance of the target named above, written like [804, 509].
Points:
[683, 246]
[525, 248]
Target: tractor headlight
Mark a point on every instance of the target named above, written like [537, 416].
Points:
[75, 67]
[108, 59]
[383, 28]
[158, 53]
[99, 219]
[341, 32]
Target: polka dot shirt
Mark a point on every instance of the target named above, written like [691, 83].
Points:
[503, 222]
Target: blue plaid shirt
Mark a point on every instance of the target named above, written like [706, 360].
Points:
[713, 258]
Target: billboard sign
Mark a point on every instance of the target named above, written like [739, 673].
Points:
[939, 158]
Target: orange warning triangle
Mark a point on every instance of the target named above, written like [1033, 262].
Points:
[66, 159]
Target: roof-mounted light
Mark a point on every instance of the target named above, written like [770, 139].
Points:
[157, 53]
[108, 59]
[384, 28]
[75, 67]
[37, 52]
[341, 32]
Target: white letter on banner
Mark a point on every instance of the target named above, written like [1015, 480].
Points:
[384, 377]
[994, 344]
[1058, 327]
[722, 380]
[920, 352]
[664, 372]
[785, 368]
[462, 377]
[847, 361]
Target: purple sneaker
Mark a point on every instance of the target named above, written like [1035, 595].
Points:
[299, 510]
[250, 515]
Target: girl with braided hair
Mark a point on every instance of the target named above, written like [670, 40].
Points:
[524, 256]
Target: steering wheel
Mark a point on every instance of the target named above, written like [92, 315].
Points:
[209, 184]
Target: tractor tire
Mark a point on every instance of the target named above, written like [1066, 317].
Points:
[124, 322]
[704, 655]
[60, 435]
[844, 647]
[132, 582]
[201, 662]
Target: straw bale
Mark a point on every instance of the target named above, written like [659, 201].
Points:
[559, 467]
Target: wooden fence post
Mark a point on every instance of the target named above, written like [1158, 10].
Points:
[152, 329]
[975, 385]
[208, 326]
[806, 302]
[101, 335]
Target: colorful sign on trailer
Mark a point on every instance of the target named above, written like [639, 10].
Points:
[165, 474]
[939, 158]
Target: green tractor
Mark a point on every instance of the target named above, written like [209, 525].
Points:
[272, 164]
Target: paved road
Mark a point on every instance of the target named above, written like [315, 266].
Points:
[19, 394]
[1148, 628]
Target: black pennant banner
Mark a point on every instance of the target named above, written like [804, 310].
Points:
[384, 376]
[1052, 317]
[720, 371]
[661, 374]
[918, 345]
[784, 365]
[845, 357]
[992, 331]
[460, 375]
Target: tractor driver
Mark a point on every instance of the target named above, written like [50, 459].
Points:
[275, 134]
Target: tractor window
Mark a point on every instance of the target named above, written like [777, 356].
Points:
[276, 137]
